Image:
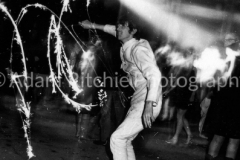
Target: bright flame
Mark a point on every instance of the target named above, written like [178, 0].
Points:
[211, 63]
[208, 63]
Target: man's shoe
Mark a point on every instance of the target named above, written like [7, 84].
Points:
[209, 157]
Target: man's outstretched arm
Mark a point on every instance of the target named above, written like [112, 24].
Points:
[110, 29]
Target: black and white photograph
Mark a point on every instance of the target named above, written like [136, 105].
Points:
[119, 79]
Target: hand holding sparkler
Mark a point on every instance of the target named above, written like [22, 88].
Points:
[86, 24]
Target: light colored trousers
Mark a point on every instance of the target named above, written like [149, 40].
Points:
[121, 139]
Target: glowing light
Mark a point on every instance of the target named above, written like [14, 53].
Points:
[88, 3]
[175, 58]
[211, 63]
[186, 33]
[203, 12]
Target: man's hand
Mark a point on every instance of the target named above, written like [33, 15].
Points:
[148, 114]
[86, 24]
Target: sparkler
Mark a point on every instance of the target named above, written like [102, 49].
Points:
[54, 79]
[24, 107]
[59, 50]
[18, 40]
[59, 46]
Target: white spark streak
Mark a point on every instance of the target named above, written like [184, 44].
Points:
[37, 5]
[22, 106]
[77, 106]
[24, 11]
[59, 51]
[88, 3]
[66, 6]
[17, 38]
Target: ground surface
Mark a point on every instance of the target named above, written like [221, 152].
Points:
[53, 130]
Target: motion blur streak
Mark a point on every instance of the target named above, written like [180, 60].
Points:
[183, 31]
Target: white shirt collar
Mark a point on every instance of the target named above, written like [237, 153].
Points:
[128, 43]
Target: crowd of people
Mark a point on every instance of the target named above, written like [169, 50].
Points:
[219, 107]
[121, 119]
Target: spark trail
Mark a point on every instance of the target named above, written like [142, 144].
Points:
[60, 53]
[23, 106]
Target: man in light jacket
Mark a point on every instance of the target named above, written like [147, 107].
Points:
[144, 77]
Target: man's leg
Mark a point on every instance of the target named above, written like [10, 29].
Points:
[119, 110]
[232, 148]
[215, 145]
[121, 139]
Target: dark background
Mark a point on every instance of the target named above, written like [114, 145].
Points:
[35, 24]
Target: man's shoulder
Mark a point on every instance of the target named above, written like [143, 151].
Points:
[142, 44]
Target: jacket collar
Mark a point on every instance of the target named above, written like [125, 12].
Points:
[129, 43]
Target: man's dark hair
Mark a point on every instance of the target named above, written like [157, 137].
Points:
[131, 25]
[234, 46]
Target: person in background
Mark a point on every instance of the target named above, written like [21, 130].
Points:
[181, 97]
[225, 119]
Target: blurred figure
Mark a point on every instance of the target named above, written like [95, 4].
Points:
[179, 94]
[181, 98]
[205, 100]
[224, 115]
[85, 67]
[231, 40]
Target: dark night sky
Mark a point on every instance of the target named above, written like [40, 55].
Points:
[34, 25]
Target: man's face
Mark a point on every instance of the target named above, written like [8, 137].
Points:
[229, 40]
[123, 32]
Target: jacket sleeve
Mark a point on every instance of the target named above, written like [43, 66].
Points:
[110, 29]
[146, 63]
